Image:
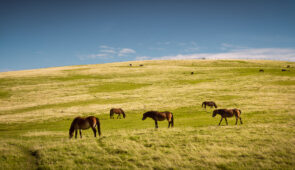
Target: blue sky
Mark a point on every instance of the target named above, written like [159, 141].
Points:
[38, 34]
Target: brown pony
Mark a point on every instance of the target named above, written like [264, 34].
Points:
[118, 111]
[224, 113]
[84, 123]
[209, 103]
[159, 116]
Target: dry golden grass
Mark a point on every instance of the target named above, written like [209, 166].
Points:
[37, 107]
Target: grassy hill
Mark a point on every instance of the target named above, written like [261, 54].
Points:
[37, 107]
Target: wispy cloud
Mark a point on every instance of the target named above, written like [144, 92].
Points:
[286, 54]
[139, 58]
[156, 48]
[105, 47]
[164, 43]
[227, 46]
[95, 56]
[107, 52]
[126, 51]
[187, 47]
[191, 47]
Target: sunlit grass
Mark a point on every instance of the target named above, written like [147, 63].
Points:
[37, 107]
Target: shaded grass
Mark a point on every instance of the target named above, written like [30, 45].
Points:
[4, 94]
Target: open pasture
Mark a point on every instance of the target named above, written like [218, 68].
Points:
[38, 106]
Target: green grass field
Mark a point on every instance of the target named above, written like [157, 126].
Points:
[37, 107]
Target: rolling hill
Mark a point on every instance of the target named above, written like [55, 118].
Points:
[38, 106]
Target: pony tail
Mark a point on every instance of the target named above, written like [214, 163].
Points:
[111, 113]
[240, 111]
[203, 104]
[123, 114]
[172, 120]
[98, 126]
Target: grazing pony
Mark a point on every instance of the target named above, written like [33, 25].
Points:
[118, 111]
[84, 123]
[159, 116]
[224, 113]
[209, 103]
[261, 70]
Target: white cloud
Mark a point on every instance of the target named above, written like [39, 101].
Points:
[106, 47]
[142, 58]
[126, 51]
[95, 56]
[108, 51]
[286, 54]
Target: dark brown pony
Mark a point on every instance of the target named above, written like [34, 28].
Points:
[118, 111]
[224, 113]
[84, 123]
[159, 116]
[285, 70]
[209, 103]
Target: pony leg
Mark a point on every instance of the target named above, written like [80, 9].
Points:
[76, 133]
[226, 121]
[241, 121]
[236, 120]
[80, 133]
[156, 124]
[94, 131]
[169, 123]
[220, 121]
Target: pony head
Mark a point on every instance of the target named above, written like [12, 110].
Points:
[71, 133]
[214, 113]
[145, 115]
